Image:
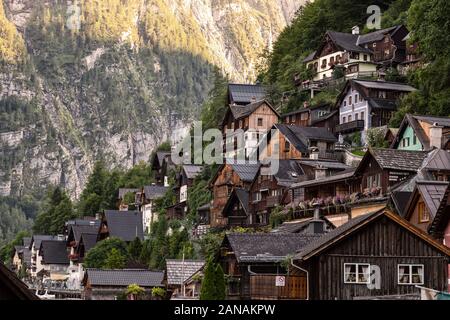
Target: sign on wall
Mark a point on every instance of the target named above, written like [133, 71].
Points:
[280, 281]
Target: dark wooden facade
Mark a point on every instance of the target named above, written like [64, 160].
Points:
[11, 288]
[384, 242]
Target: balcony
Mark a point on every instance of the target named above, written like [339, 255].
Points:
[357, 125]
[264, 287]
[273, 201]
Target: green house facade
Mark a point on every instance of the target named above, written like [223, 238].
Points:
[409, 141]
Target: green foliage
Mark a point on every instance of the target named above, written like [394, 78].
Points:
[210, 244]
[107, 254]
[158, 292]
[115, 260]
[277, 217]
[135, 249]
[7, 250]
[55, 210]
[375, 138]
[213, 284]
[135, 290]
[213, 110]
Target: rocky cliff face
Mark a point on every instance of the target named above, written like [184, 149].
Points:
[113, 79]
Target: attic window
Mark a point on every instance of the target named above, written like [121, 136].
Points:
[424, 215]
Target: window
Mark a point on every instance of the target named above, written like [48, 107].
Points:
[374, 45]
[373, 181]
[260, 122]
[410, 274]
[365, 57]
[324, 63]
[424, 215]
[405, 142]
[349, 118]
[356, 116]
[350, 100]
[386, 40]
[414, 140]
[304, 116]
[387, 52]
[287, 146]
[357, 273]
[240, 123]
[356, 98]
[293, 118]
[360, 98]
[343, 119]
[332, 60]
[345, 103]
[382, 94]
[362, 115]
[258, 196]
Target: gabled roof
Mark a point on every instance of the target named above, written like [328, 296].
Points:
[413, 122]
[89, 241]
[442, 217]
[246, 172]
[240, 111]
[246, 93]
[431, 192]
[310, 57]
[180, 270]
[393, 159]
[289, 172]
[340, 233]
[299, 225]
[54, 252]
[327, 164]
[125, 225]
[12, 286]
[192, 170]
[267, 247]
[26, 241]
[377, 35]
[385, 85]
[37, 239]
[437, 160]
[347, 41]
[75, 232]
[240, 195]
[124, 277]
[154, 192]
[300, 137]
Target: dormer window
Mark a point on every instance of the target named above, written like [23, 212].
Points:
[382, 94]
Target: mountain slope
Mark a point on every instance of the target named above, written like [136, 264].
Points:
[86, 79]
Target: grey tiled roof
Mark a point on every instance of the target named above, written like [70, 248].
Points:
[394, 159]
[26, 241]
[347, 41]
[54, 252]
[246, 172]
[310, 57]
[39, 238]
[266, 247]
[178, 270]
[289, 172]
[125, 225]
[432, 194]
[89, 241]
[383, 104]
[325, 164]
[161, 155]
[125, 277]
[154, 192]
[437, 159]
[376, 35]
[192, 170]
[79, 230]
[347, 174]
[385, 85]
[301, 136]
[441, 121]
[246, 93]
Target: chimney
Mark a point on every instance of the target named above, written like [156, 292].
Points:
[317, 225]
[436, 136]
[355, 30]
[320, 172]
[314, 154]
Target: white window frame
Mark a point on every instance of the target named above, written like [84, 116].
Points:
[357, 273]
[410, 283]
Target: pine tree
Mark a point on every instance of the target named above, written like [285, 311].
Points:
[220, 283]
[208, 290]
[115, 260]
[135, 249]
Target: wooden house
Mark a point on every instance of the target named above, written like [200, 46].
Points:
[122, 203]
[111, 284]
[55, 259]
[76, 231]
[184, 180]
[246, 123]
[439, 226]
[253, 263]
[413, 59]
[365, 104]
[36, 258]
[228, 177]
[146, 201]
[177, 272]
[161, 165]
[422, 133]
[11, 288]
[289, 142]
[125, 225]
[374, 256]
[424, 203]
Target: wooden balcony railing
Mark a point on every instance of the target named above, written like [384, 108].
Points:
[264, 287]
[273, 201]
[352, 126]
